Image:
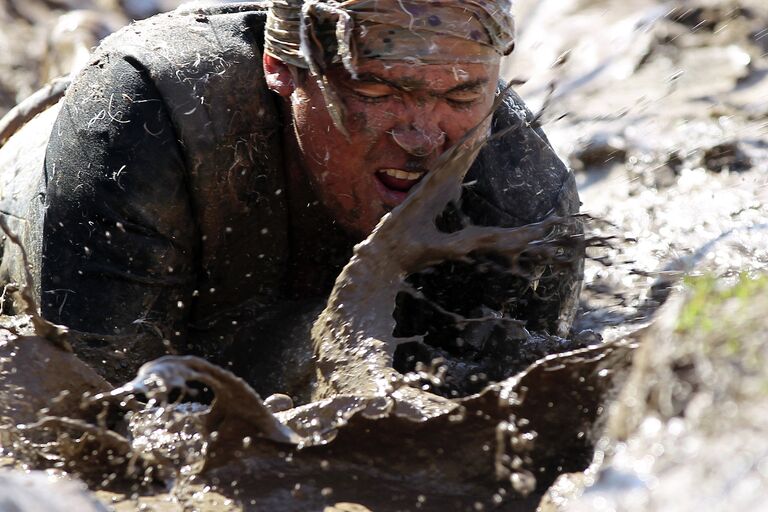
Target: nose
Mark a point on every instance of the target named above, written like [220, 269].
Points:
[419, 140]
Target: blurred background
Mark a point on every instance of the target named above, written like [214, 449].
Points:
[43, 39]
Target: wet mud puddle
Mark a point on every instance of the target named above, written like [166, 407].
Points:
[675, 168]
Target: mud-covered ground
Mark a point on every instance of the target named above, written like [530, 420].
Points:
[662, 110]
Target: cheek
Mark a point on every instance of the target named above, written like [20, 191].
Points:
[369, 120]
[312, 124]
[456, 123]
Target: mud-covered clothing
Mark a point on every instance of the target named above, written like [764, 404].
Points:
[161, 206]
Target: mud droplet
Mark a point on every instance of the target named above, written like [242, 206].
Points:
[523, 482]
[278, 402]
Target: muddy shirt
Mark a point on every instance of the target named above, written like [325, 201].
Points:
[162, 211]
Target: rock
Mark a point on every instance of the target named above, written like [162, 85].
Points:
[600, 150]
[728, 156]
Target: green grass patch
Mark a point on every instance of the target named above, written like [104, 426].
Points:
[706, 307]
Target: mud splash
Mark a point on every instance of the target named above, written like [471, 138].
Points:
[489, 448]
[663, 111]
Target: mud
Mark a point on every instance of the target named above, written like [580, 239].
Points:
[662, 109]
[366, 419]
[354, 343]
[38, 491]
[479, 450]
[668, 126]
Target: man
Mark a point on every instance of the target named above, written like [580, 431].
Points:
[216, 165]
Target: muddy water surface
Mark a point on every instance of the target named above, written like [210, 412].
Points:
[662, 110]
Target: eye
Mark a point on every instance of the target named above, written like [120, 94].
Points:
[372, 90]
[463, 97]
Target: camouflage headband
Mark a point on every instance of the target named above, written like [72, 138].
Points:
[313, 34]
[307, 33]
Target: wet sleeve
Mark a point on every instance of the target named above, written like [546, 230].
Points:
[518, 179]
[550, 303]
[119, 240]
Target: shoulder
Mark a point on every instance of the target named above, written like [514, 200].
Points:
[200, 67]
[189, 47]
[518, 178]
[195, 56]
[193, 30]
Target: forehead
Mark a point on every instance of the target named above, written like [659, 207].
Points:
[442, 76]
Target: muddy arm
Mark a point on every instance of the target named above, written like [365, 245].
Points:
[552, 304]
[119, 240]
[518, 179]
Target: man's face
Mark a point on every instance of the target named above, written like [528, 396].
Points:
[400, 118]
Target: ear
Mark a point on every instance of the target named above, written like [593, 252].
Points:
[278, 76]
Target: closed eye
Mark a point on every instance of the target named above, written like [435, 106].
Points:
[372, 90]
[463, 97]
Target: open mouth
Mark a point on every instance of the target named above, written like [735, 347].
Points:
[396, 183]
[398, 179]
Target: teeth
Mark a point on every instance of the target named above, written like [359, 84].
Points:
[403, 175]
